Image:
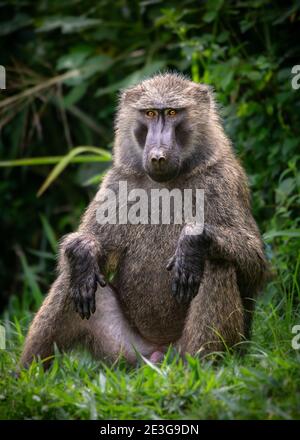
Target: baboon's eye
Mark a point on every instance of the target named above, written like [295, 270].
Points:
[151, 113]
[171, 112]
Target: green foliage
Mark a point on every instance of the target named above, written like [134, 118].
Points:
[264, 384]
[65, 63]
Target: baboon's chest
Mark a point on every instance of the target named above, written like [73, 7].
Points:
[144, 284]
[141, 278]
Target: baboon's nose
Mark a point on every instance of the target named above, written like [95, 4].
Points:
[158, 161]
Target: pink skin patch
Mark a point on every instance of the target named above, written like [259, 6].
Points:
[156, 357]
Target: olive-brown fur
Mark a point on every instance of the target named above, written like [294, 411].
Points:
[231, 250]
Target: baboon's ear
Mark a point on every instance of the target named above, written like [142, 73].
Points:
[132, 95]
[201, 92]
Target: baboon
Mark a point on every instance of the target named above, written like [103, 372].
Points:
[128, 288]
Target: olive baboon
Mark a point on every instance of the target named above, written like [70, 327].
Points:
[194, 291]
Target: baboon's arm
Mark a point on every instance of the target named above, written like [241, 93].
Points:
[240, 245]
[230, 231]
[83, 255]
[80, 256]
[229, 234]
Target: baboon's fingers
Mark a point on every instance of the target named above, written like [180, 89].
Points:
[87, 295]
[77, 299]
[93, 303]
[86, 308]
[191, 287]
[90, 301]
[176, 282]
[183, 288]
[80, 303]
[100, 279]
[171, 263]
[84, 295]
[175, 287]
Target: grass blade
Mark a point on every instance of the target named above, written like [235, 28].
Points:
[58, 169]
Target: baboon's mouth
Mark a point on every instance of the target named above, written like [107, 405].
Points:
[163, 177]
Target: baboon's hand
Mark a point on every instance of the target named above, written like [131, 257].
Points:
[82, 254]
[83, 291]
[187, 265]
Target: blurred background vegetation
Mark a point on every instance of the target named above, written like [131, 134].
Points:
[66, 61]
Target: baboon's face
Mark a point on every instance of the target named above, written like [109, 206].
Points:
[162, 126]
[162, 135]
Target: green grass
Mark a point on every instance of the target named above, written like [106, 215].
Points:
[264, 384]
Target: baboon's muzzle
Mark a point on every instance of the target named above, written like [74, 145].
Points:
[161, 159]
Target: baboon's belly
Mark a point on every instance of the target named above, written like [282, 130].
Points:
[144, 284]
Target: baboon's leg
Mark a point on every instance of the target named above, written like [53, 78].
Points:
[55, 323]
[110, 335]
[107, 334]
[215, 318]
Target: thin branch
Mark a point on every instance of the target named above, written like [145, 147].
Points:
[36, 89]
